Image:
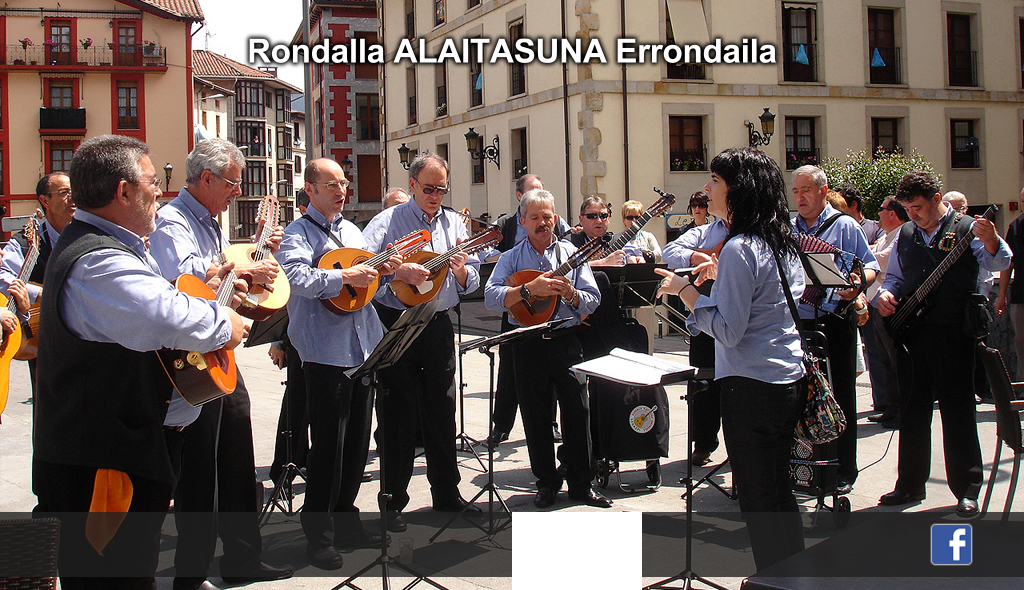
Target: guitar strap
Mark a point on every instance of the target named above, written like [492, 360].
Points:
[946, 236]
[324, 229]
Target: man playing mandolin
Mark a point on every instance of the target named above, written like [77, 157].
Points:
[543, 363]
[943, 372]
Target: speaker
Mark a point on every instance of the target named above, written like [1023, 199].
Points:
[813, 468]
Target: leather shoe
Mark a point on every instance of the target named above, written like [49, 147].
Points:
[843, 487]
[455, 504]
[897, 498]
[590, 497]
[700, 458]
[359, 540]
[967, 507]
[325, 558]
[193, 584]
[654, 473]
[495, 439]
[396, 524]
[876, 417]
[545, 498]
[261, 573]
[555, 433]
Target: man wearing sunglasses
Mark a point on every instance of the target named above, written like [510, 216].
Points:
[420, 388]
[595, 216]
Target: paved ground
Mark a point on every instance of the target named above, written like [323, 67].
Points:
[877, 452]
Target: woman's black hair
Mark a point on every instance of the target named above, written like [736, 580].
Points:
[756, 200]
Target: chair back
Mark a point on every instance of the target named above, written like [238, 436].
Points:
[29, 559]
[1008, 426]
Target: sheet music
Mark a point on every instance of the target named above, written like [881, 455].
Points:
[633, 368]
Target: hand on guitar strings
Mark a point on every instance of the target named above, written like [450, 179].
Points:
[985, 231]
[241, 286]
[359, 275]
[261, 273]
[274, 241]
[392, 264]
[8, 320]
[412, 273]
[886, 303]
[19, 292]
[457, 264]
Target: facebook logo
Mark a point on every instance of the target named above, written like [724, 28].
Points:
[951, 544]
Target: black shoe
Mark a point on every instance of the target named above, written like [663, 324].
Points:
[360, 540]
[843, 487]
[890, 424]
[325, 558]
[367, 476]
[455, 504]
[261, 573]
[654, 473]
[396, 524]
[545, 498]
[590, 497]
[877, 417]
[496, 438]
[967, 507]
[193, 584]
[700, 458]
[898, 498]
[555, 434]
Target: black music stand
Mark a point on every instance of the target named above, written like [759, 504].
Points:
[485, 345]
[466, 443]
[635, 285]
[703, 375]
[389, 351]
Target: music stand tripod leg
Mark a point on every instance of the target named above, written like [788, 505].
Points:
[283, 492]
[465, 442]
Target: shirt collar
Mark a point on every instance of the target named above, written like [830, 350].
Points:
[320, 218]
[827, 212]
[193, 205]
[120, 233]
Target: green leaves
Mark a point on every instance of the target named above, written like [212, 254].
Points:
[876, 177]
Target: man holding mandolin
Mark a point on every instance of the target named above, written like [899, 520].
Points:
[527, 280]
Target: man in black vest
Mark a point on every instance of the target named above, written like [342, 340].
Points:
[98, 436]
[53, 192]
[942, 372]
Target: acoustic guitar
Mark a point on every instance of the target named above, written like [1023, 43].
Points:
[539, 309]
[202, 377]
[351, 297]
[263, 300]
[30, 338]
[437, 265]
[11, 344]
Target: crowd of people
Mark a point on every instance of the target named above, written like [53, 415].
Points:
[108, 263]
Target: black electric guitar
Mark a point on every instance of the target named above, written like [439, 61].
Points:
[913, 306]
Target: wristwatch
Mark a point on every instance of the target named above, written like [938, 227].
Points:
[524, 292]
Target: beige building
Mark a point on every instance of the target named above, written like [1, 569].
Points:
[942, 77]
[88, 67]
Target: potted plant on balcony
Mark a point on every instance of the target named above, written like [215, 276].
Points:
[25, 43]
[86, 43]
[149, 48]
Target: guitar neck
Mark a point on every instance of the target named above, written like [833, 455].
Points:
[31, 257]
[379, 260]
[630, 233]
[227, 289]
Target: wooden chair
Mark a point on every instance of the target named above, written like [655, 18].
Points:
[1008, 422]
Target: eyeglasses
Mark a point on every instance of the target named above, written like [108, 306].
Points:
[155, 182]
[429, 190]
[696, 206]
[593, 216]
[632, 217]
[64, 192]
[234, 183]
[334, 186]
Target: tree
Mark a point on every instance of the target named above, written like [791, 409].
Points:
[875, 177]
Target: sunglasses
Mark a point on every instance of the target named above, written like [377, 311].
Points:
[429, 190]
[593, 216]
[632, 217]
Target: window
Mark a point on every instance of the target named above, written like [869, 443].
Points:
[284, 173]
[442, 150]
[59, 43]
[128, 105]
[245, 221]
[799, 47]
[883, 55]
[884, 135]
[216, 121]
[963, 60]
[298, 162]
[284, 142]
[438, 12]
[254, 183]
[441, 89]
[801, 143]
[520, 164]
[410, 93]
[127, 45]
[476, 78]
[410, 19]
[679, 70]
[249, 134]
[282, 105]
[249, 99]
[472, 4]
[367, 117]
[366, 71]
[517, 70]
[686, 150]
[61, 95]
[318, 110]
[964, 143]
[1020, 34]
[60, 155]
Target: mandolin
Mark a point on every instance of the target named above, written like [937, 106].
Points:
[539, 309]
[202, 377]
[437, 265]
[262, 300]
[351, 297]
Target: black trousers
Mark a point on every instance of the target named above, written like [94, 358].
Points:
[893, 396]
[758, 420]
[707, 404]
[506, 401]
[842, 357]
[65, 492]
[340, 412]
[941, 368]
[542, 369]
[217, 491]
[420, 388]
[294, 416]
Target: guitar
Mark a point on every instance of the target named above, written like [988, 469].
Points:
[11, 344]
[30, 338]
[659, 207]
[351, 297]
[437, 265]
[910, 308]
[262, 300]
[539, 309]
[202, 377]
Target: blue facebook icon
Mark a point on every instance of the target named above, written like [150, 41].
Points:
[951, 544]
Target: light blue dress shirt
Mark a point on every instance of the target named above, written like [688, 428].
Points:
[14, 258]
[445, 229]
[525, 257]
[185, 240]
[319, 335]
[748, 316]
[991, 262]
[676, 253]
[846, 234]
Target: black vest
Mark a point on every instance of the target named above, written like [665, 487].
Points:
[507, 224]
[97, 404]
[948, 299]
[44, 253]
